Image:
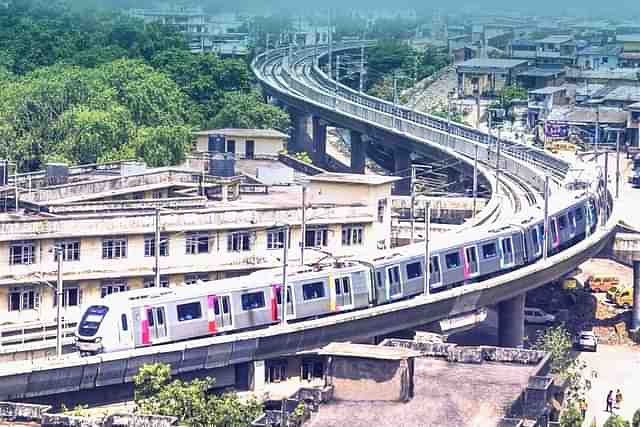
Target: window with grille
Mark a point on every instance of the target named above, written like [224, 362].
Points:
[150, 282]
[114, 248]
[71, 297]
[197, 243]
[22, 252]
[70, 250]
[275, 239]
[192, 279]
[239, 241]
[21, 299]
[150, 246]
[109, 288]
[352, 235]
[316, 237]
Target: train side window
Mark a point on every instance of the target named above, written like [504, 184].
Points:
[414, 270]
[489, 250]
[572, 220]
[562, 222]
[189, 311]
[578, 213]
[535, 241]
[379, 280]
[313, 290]
[452, 260]
[252, 301]
[125, 324]
[216, 307]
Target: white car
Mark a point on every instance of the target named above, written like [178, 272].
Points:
[538, 316]
[587, 340]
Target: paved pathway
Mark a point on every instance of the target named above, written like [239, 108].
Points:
[615, 367]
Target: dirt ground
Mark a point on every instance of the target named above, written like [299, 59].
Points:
[589, 310]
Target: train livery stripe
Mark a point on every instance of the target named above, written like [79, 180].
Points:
[332, 294]
[274, 302]
[144, 326]
[465, 261]
[211, 313]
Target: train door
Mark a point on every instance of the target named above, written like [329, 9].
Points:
[157, 321]
[125, 332]
[344, 294]
[506, 246]
[394, 285]
[381, 295]
[435, 276]
[222, 312]
[290, 306]
[536, 241]
[555, 235]
[471, 261]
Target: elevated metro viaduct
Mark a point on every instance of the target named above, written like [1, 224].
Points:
[231, 356]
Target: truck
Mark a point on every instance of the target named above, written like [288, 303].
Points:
[624, 298]
[603, 283]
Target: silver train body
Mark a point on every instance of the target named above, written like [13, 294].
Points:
[147, 317]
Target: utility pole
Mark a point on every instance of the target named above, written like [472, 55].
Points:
[361, 83]
[618, 164]
[157, 251]
[330, 40]
[498, 160]
[545, 234]
[597, 134]
[59, 293]
[427, 254]
[283, 293]
[304, 222]
[413, 204]
[475, 180]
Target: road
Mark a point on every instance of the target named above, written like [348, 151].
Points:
[614, 367]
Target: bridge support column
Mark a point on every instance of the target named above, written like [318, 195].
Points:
[511, 322]
[358, 150]
[319, 153]
[635, 311]
[300, 140]
[401, 167]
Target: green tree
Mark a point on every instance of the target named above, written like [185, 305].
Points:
[636, 419]
[156, 393]
[161, 146]
[616, 421]
[571, 416]
[247, 111]
[510, 93]
[557, 342]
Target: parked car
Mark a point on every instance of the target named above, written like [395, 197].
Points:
[603, 283]
[587, 340]
[538, 316]
[613, 292]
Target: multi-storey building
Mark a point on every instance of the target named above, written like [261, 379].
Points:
[103, 223]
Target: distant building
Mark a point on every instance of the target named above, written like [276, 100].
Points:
[598, 57]
[488, 76]
[524, 49]
[560, 49]
[538, 78]
[542, 101]
[204, 33]
[244, 143]
[630, 56]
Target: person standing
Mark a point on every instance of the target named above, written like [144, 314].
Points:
[583, 408]
[618, 399]
[610, 401]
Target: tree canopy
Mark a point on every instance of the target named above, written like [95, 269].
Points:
[83, 85]
[155, 393]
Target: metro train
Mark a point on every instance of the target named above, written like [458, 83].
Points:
[146, 317]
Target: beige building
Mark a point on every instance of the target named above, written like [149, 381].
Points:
[243, 143]
[104, 221]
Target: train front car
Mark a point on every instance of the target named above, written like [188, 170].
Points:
[92, 330]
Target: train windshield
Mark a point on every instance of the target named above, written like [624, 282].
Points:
[91, 320]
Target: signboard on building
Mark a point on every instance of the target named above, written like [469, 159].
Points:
[556, 130]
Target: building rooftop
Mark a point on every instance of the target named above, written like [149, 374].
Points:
[600, 50]
[548, 90]
[244, 133]
[492, 63]
[558, 39]
[446, 394]
[367, 351]
[628, 38]
[541, 72]
[580, 115]
[623, 93]
[350, 178]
